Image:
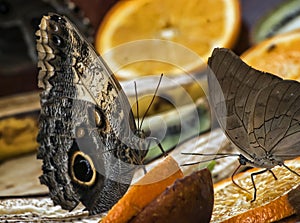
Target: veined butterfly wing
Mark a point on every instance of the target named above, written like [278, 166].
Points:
[258, 111]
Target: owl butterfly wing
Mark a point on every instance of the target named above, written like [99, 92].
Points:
[233, 90]
[85, 118]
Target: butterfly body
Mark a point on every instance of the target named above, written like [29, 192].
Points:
[87, 130]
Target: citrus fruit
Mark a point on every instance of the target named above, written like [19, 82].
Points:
[147, 37]
[144, 191]
[189, 199]
[232, 204]
[279, 55]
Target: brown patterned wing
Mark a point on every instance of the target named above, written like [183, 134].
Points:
[235, 90]
[86, 123]
[275, 123]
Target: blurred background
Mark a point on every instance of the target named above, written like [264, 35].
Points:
[18, 22]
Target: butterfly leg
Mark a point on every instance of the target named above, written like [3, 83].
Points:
[235, 183]
[142, 161]
[253, 183]
[144, 169]
[291, 170]
[273, 174]
[159, 145]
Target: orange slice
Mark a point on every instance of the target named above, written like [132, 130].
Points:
[194, 191]
[233, 204]
[279, 55]
[144, 191]
[164, 36]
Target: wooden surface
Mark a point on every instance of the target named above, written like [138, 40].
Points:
[19, 177]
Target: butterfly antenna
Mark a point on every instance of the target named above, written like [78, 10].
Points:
[137, 105]
[211, 154]
[217, 156]
[152, 100]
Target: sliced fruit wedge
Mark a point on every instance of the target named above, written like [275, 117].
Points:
[232, 204]
[144, 191]
[279, 55]
[189, 199]
[156, 31]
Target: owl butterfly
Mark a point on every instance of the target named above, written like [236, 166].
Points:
[259, 112]
[88, 138]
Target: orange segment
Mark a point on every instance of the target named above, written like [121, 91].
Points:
[279, 55]
[234, 205]
[198, 25]
[194, 191]
[144, 191]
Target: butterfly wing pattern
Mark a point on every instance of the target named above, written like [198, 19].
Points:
[258, 111]
[86, 123]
